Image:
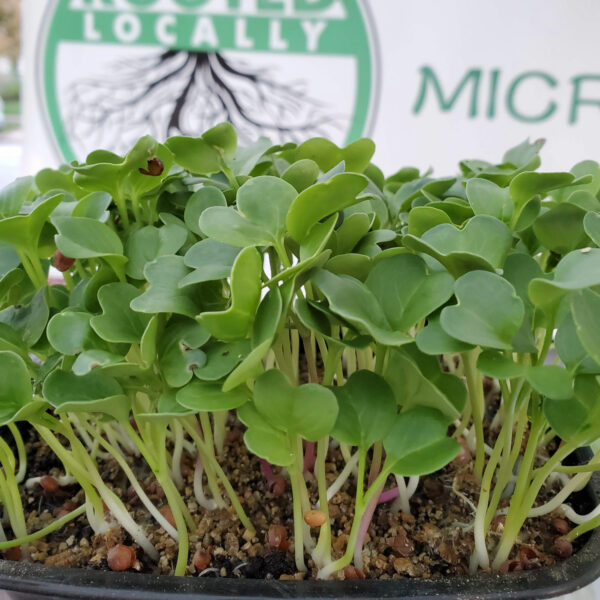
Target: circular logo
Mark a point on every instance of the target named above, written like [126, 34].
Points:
[114, 70]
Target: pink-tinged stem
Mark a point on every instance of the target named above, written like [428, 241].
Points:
[267, 471]
[362, 531]
[309, 456]
[388, 495]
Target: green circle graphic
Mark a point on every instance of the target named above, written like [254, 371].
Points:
[348, 33]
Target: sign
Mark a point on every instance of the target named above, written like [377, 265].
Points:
[432, 82]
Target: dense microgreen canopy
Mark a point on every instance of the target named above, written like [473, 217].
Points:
[299, 287]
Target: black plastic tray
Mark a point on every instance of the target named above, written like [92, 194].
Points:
[26, 581]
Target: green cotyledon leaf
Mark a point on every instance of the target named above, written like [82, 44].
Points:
[354, 302]
[489, 313]
[482, 243]
[577, 270]
[118, 322]
[163, 294]
[417, 443]
[94, 392]
[16, 391]
[308, 410]
[321, 200]
[367, 409]
[259, 217]
[235, 322]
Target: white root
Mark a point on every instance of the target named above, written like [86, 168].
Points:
[576, 517]
[335, 487]
[62, 481]
[203, 501]
[98, 525]
[405, 493]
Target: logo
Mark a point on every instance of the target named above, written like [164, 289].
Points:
[114, 70]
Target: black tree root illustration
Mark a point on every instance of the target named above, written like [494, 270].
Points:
[184, 93]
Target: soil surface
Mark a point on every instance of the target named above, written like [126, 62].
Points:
[434, 540]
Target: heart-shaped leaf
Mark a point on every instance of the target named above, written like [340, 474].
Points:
[14, 195]
[262, 206]
[209, 397]
[235, 322]
[23, 231]
[320, 320]
[560, 229]
[179, 355]
[264, 440]
[163, 294]
[350, 232]
[211, 260]
[487, 198]
[433, 340]
[531, 183]
[367, 409]
[309, 410]
[424, 218]
[93, 206]
[326, 154]
[148, 243]
[123, 177]
[311, 251]
[118, 322]
[81, 237]
[577, 270]
[301, 174]
[354, 302]
[417, 443]
[95, 392]
[95, 359]
[198, 202]
[412, 387]
[221, 359]
[28, 320]
[321, 200]
[69, 332]
[496, 364]
[483, 243]
[489, 313]
[406, 290]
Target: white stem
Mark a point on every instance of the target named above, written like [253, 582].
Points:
[125, 441]
[345, 450]
[98, 525]
[566, 491]
[143, 496]
[120, 513]
[342, 477]
[203, 501]
[498, 420]
[92, 445]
